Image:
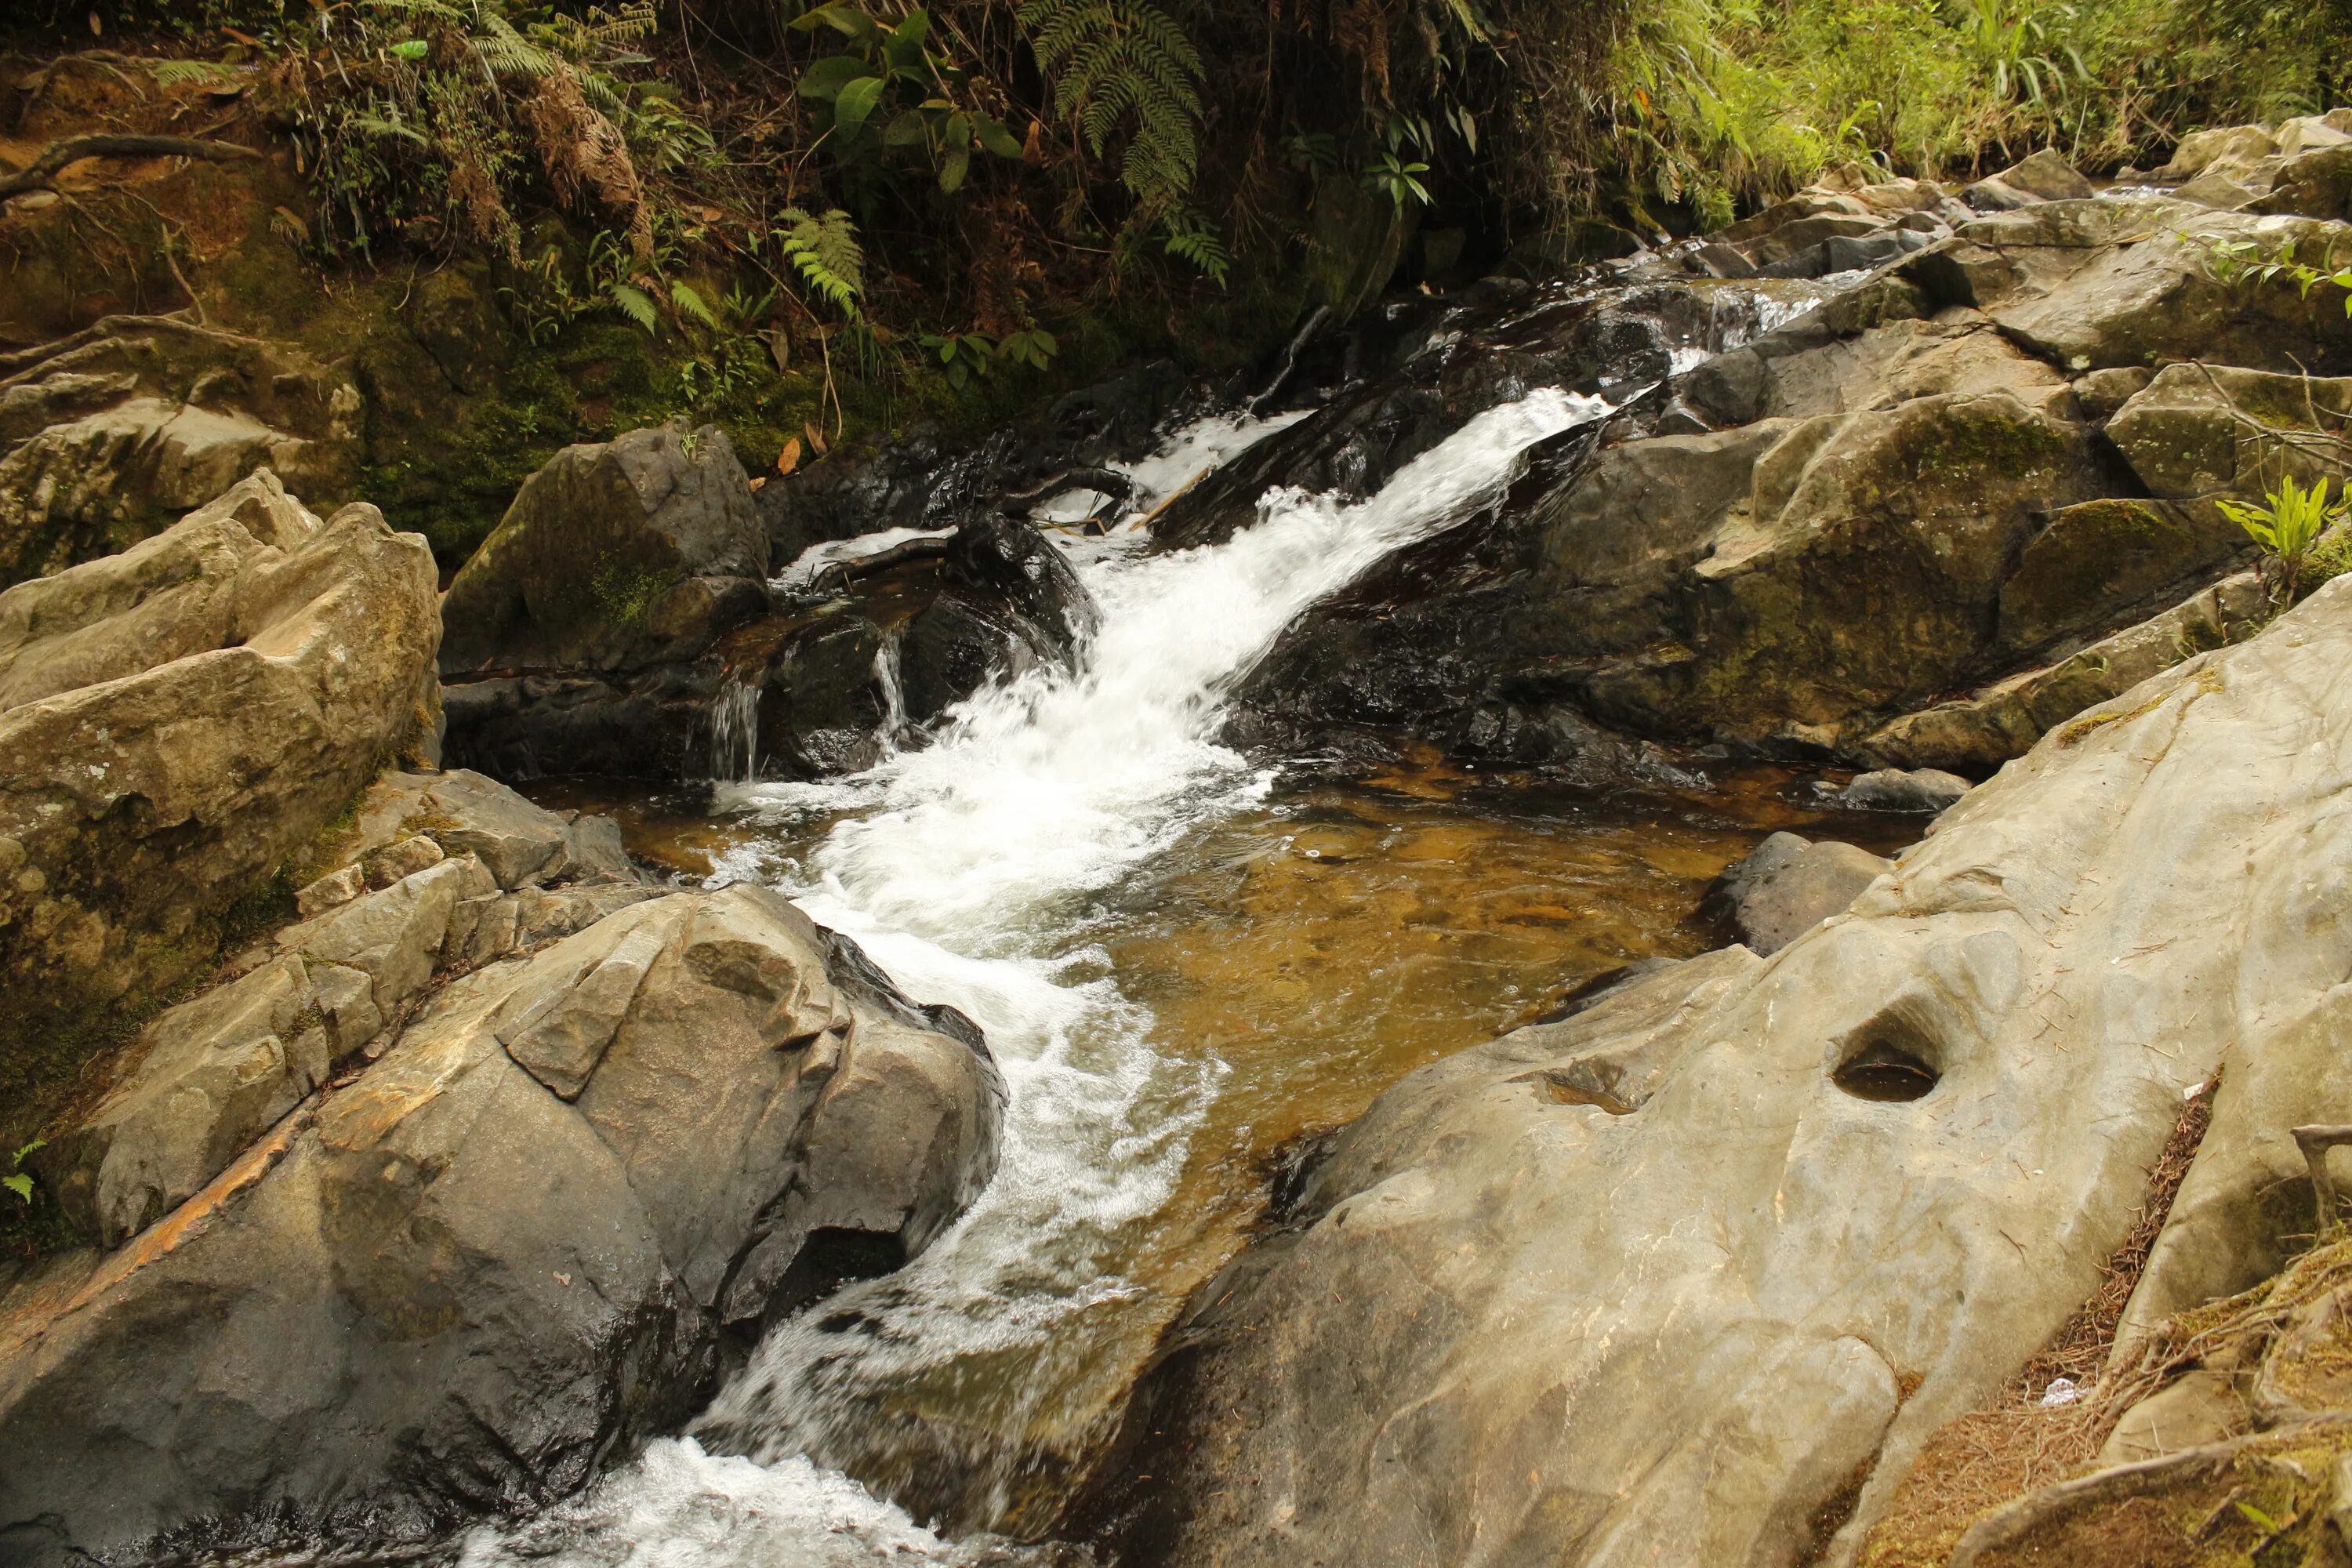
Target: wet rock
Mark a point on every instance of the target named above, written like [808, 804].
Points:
[1352, 445]
[1786, 886]
[446, 1287]
[1930, 790]
[107, 436]
[179, 719]
[1455, 1349]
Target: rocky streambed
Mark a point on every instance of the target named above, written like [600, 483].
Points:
[1183, 1013]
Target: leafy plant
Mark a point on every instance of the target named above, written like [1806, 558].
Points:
[885, 67]
[1032, 346]
[2287, 523]
[1395, 173]
[826, 252]
[17, 1181]
[1114, 62]
[965, 356]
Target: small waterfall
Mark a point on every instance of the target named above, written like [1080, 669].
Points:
[894, 695]
[967, 869]
[735, 728]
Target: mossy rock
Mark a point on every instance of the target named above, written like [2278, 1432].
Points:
[2098, 559]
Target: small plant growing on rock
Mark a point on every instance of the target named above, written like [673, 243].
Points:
[17, 1181]
[2286, 524]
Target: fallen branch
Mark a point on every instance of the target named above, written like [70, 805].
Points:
[41, 174]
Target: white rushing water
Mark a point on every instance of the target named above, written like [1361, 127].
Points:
[966, 868]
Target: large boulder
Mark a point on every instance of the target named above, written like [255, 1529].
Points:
[632, 551]
[1786, 886]
[513, 1245]
[576, 637]
[1935, 483]
[107, 436]
[1691, 1277]
[177, 721]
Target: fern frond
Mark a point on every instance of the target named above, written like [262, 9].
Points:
[507, 52]
[827, 255]
[692, 303]
[179, 73]
[1114, 62]
[637, 304]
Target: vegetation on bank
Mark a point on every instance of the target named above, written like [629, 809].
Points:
[808, 221]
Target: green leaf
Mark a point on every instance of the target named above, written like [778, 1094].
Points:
[952, 170]
[826, 77]
[857, 101]
[20, 1186]
[411, 48]
[996, 138]
[687, 301]
[635, 304]
[905, 129]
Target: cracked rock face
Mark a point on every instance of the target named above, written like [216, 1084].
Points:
[509, 1248]
[175, 722]
[1664, 1282]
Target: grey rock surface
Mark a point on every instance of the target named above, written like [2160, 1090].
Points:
[178, 721]
[1654, 1284]
[506, 1251]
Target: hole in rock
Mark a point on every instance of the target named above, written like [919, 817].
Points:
[1883, 1070]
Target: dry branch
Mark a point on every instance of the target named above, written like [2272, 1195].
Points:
[41, 174]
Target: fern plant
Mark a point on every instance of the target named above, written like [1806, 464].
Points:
[826, 252]
[1116, 62]
[17, 1181]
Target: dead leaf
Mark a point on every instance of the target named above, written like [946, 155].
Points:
[780, 349]
[759, 483]
[789, 458]
[817, 439]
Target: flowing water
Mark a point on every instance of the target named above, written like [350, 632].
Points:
[1180, 965]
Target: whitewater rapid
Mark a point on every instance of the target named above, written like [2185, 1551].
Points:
[970, 869]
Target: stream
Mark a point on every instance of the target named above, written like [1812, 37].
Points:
[1185, 962]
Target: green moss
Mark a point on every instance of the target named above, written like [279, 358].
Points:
[627, 591]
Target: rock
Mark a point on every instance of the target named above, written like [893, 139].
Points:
[2202, 1407]
[1788, 884]
[636, 551]
[2096, 561]
[2232, 147]
[1897, 789]
[2042, 177]
[2318, 183]
[2197, 430]
[1455, 1350]
[2103, 392]
[338, 887]
[179, 720]
[394, 861]
[107, 436]
[447, 1288]
[213, 1074]
[394, 936]
[2001, 720]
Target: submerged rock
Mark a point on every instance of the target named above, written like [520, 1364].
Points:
[179, 719]
[513, 1247]
[1691, 1277]
[1786, 886]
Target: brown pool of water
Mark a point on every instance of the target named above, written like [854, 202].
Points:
[1321, 947]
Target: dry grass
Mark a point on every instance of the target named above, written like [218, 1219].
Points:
[1983, 1458]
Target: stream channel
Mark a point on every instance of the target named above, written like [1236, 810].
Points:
[1186, 960]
